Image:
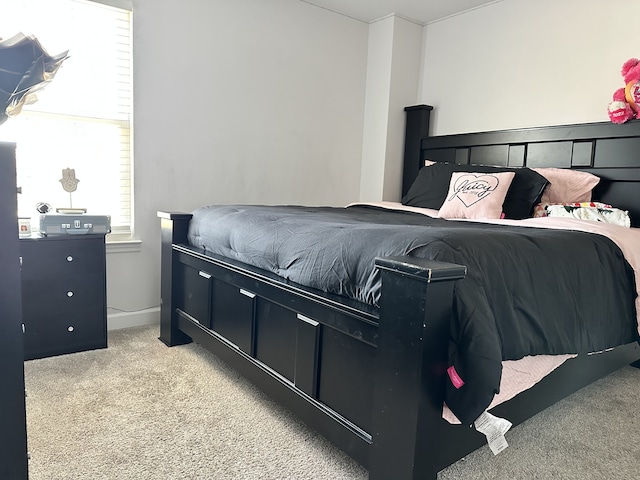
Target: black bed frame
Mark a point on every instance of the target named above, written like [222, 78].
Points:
[372, 380]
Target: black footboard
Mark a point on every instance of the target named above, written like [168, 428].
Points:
[371, 381]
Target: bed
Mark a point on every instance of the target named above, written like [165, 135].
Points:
[373, 376]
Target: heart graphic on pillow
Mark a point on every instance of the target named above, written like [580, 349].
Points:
[470, 188]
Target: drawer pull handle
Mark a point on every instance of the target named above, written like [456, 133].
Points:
[308, 320]
[70, 328]
[69, 294]
[69, 258]
[204, 274]
[247, 293]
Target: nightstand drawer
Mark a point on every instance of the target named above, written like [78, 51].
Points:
[55, 259]
[68, 292]
[58, 333]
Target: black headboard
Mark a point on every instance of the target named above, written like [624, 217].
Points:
[607, 150]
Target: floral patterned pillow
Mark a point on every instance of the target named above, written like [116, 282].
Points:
[594, 211]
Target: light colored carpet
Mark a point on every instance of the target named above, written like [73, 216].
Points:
[139, 410]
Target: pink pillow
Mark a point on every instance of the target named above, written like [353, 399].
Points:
[567, 186]
[476, 195]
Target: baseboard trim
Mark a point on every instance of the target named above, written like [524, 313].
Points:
[150, 316]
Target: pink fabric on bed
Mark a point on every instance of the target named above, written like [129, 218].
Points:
[518, 376]
[566, 185]
[476, 195]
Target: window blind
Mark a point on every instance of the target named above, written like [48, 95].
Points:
[82, 119]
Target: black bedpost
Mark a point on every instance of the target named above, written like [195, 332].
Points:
[174, 227]
[417, 127]
[411, 361]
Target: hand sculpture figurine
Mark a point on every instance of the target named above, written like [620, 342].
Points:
[69, 181]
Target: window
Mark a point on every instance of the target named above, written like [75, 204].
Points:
[82, 119]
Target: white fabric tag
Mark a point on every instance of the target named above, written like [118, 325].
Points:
[494, 429]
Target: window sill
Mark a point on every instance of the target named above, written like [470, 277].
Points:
[127, 246]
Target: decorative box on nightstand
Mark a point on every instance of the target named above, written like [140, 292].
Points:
[63, 294]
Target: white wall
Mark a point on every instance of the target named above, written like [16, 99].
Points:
[243, 101]
[376, 108]
[519, 63]
[393, 70]
[255, 101]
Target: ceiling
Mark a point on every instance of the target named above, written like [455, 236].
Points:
[420, 11]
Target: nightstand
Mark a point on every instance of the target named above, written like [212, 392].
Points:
[63, 294]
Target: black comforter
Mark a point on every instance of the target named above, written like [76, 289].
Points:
[528, 291]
